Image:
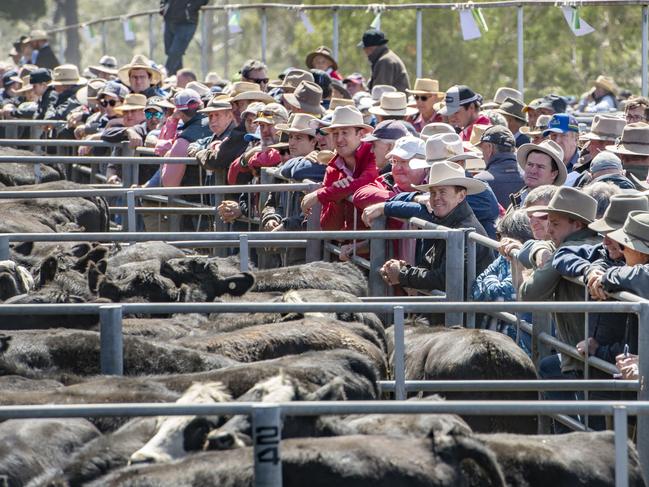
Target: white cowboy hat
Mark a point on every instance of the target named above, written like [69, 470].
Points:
[447, 173]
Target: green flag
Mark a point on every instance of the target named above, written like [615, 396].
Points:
[234, 22]
[479, 18]
[576, 23]
[376, 23]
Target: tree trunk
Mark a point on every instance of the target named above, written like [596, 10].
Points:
[68, 13]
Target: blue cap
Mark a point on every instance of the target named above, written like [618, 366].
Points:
[256, 135]
[561, 123]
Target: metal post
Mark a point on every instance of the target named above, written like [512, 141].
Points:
[521, 55]
[4, 247]
[470, 276]
[37, 173]
[334, 42]
[314, 246]
[454, 274]
[264, 34]
[643, 394]
[419, 43]
[110, 333]
[645, 35]
[152, 36]
[377, 259]
[541, 322]
[104, 38]
[130, 203]
[399, 354]
[266, 420]
[244, 252]
[621, 446]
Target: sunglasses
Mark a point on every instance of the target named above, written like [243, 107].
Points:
[259, 81]
[150, 115]
[422, 97]
[104, 103]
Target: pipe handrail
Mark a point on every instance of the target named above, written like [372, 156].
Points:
[512, 385]
[97, 160]
[32, 123]
[59, 143]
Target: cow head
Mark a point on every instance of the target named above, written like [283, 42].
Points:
[175, 436]
[146, 285]
[14, 280]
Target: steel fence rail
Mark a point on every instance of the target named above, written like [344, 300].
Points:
[97, 159]
[511, 385]
[59, 143]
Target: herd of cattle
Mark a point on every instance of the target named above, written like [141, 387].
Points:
[266, 357]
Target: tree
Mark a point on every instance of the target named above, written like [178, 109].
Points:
[23, 9]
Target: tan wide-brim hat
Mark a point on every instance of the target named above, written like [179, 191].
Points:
[253, 95]
[340, 102]
[139, 61]
[426, 86]
[393, 104]
[436, 128]
[447, 173]
[619, 207]
[67, 75]
[541, 124]
[605, 127]
[199, 88]
[321, 51]
[635, 232]
[38, 35]
[606, 83]
[133, 101]
[347, 116]
[570, 202]
[550, 148]
[634, 140]
[301, 123]
[90, 90]
[293, 78]
[217, 104]
[26, 86]
[476, 133]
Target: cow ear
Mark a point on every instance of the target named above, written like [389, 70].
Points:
[102, 265]
[106, 289]
[81, 249]
[237, 285]
[93, 277]
[196, 432]
[24, 248]
[48, 270]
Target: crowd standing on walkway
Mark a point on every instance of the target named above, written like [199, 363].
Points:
[564, 198]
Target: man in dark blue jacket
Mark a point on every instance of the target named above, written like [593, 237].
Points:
[181, 18]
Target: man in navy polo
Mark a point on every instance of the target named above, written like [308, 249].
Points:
[564, 130]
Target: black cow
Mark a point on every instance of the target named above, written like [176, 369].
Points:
[21, 173]
[141, 251]
[14, 279]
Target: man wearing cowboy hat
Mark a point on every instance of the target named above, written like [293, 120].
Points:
[512, 110]
[106, 68]
[46, 95]
[243, 93]
[541, 164]
[323, 59]
[66, 81]
[141, 76]
[307, 98]
[352, 167]
[448, 187]
[393, 106]
[502, 173]
[633, 149]
[462, 109]
[42, 54]
[535, 132]
[601, 98]
[387, 67]
[548, 105]
[221, 124]
[604, 130]
[426, 93]
[180, 21]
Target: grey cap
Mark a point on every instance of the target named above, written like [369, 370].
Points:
[456, 97]
[387, 130]
[605, 160]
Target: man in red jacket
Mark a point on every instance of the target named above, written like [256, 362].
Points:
[352, 167]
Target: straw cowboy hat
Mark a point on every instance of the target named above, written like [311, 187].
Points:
[244, 90]
[139, 61]
[570, 202]
[133, 101]
[635, 233]
[476, 133]
[512, 108]
[293, 78]
[344, 117]
[321, 51]
[447, 173]
[541, 124]
[217, 104]
[107, 65]
[307, 97]
[37, 35]
[340, 102]
[393, 104]
[605, 127]
[437, 128]
[67, 75]
[426, 86]
[444, 147]
[634, 140]
[606, 83]
[550, 148]
[301, 123]
[619, 208]
[26, 86]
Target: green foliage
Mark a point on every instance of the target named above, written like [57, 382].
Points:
[22, 9]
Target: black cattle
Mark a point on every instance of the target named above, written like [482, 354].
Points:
[438, 353]
[14, 279]
[30, 447]
[346, 461]
[337, 276]
[21, 174]
[141, 251]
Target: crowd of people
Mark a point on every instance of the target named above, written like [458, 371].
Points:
[562, 198]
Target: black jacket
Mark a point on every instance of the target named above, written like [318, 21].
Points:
[46, 58]
[503, 175]
[181, 11]
[47, 101]
[228, 151]
[65, 103]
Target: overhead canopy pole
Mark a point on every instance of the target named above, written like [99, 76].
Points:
[419, 44]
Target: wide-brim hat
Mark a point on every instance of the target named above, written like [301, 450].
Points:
[436, 128]
[620, 206]
[90, 90]
[38, 35]
[293, 78]
[393, 104]
[635, 232]
[340, 102]
[605, 127]
[512, 108]
[321, 51]
[253, 95]
[426, 86]
[570, 202]
[107, 65]
[139, 61]
[448, 173]
[302, 123]
[217, 104]
[307, 97]
[634, 140]
[541, 124]
[133, 101]
[347, 116]
[606, 83]
[505, 92]
[550, 148]
[67, 75]
[26, 86]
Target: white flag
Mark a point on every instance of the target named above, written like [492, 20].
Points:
[577, 25]
[129, 35]
[470, 29]
[306, 22]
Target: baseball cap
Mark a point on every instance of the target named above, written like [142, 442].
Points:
[387, 130]
[552, 102]
[159, 102]
[254, 108]
[561, 123]
[373, 37]
[185, 98]
[9, 77]
[40, 75]
[273, 113]
[252, 136]
[456, 96]
[605, 160]
[499, 135]
[409, 147]
[115, 89]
